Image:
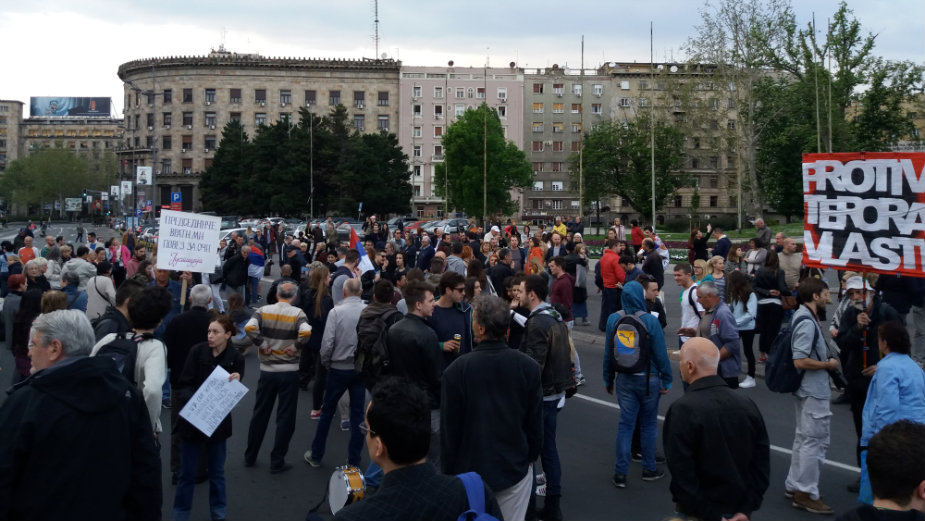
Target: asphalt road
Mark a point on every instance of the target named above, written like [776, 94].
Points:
[587, 433]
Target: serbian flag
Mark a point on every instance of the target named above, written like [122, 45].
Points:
[365, 263]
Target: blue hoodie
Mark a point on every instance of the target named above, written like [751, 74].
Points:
[633, 299]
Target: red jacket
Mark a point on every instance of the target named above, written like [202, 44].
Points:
[637, 235]
[611, 272]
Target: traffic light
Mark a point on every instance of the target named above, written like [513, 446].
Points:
[85, 193]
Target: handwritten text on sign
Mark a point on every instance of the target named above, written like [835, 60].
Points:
[212, 402]
[865, 211]
[187, 241]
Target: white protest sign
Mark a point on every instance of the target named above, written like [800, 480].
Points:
[212, 402]
[187, 241]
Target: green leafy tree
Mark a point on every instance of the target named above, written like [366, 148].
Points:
[379, 173]
[53, 174]
[618, 162]
[468, 150]
[224, 186]
[883, 120]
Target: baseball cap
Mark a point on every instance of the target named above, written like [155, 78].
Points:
[857, 282]
[496, 229]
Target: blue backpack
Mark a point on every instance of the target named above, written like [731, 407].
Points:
[780, 375]
[475, 492]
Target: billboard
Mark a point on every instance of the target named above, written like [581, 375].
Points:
[865, 212]
[145, 176]
[73, 204]
[41, 106]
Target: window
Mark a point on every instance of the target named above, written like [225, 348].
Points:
[168, 96]
[359, 99]
[731, 103]
[359, 122]
[556, 186]
[539, 166]
[731, 124]
[207, 163]
[558, 146]
[714, 125]
[438, 92]
[696, 141]
[416, 151]
[210, 95]
[166, 169]
[714, 162]
[235, 116]
[209, 142]
[643, 102]
[660, 85]
[166, 143]
[537, 126]
[576, 146]
[260, 96]
[714, 201]
[187, 142]
[576, 108]
[150, 98]
[695, 163]
[678, 201]
[537, 88]
[537, 146]
[714, 182]
[460, 93]
[557, 167]
[643, 85]
[557, 204]
[382, 123]
[438, 131]
[285, 97]
[576, 89]
[235, 95]
[502, 93]
[438, 111]
[285, 117]
[480, 93]
[558, 89]
[624, 85]
[311, 98]
[187, 119]
[557, 128]
[260, 118]
[150, 119]
[624, 102]
[730, 161]
[916, 132]
[417, 170]
[502, 111]
[574, 204]
[188, 166]
[576, 127]
[334, 98]
[538, 108]
[382, 98]
[714, 104]
[469, 92]
[210, 119]
[438, 152]
[597, 89]
[416, 110]
[416, 91]
[558, 108]
[537, 186]
[187, 95]
[416, 132]
[596, 108]
[460, 110]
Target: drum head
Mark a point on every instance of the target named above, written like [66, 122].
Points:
[338, 491]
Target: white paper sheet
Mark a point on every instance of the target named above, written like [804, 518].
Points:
[213, 401]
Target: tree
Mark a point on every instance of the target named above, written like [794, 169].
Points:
[618, 161]
[55, 173]
[467, 151]
[379, 173]
[222, 185]
[883, 121]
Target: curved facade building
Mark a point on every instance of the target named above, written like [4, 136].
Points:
[176, 107]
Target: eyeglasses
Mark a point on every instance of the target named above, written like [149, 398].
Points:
[364, 428]
[461, 290]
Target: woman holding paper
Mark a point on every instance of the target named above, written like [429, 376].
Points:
[202, 360]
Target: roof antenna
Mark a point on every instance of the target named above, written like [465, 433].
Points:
[376, 24]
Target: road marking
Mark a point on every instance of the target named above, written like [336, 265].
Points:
[775, 448]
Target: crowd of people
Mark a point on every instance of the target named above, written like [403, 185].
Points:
[447, 353]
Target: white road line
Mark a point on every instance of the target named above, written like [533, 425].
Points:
[775, 448]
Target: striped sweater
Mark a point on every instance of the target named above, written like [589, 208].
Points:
[273, 329]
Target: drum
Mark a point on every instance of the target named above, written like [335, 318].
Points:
[347, 486]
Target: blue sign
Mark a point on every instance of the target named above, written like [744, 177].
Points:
[176, 197]
[149, 202]
[138, 212]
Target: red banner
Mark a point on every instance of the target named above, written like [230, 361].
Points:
[865, 212]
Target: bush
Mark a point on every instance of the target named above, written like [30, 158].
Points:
[679, 225]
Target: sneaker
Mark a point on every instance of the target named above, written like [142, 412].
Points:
[802, 501]
[581, 381]
[789, 493]
[748, 383]
[345, 425]
[659, 460]
[652, 475]
[762, 358]
[541, 478]
[619, 480]
[316, 414]
[541, 490]
[310, 460]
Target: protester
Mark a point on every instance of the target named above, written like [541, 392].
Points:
[744, 305]
[101, 292]
[769, 284]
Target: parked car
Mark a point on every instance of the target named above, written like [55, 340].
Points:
[226, 234]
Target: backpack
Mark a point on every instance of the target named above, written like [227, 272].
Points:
[371, 358]
[632, 344]
[780, 374]
[124, 351]
[690, 300]
[475, 493]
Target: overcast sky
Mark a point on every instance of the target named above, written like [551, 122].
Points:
[67, 48]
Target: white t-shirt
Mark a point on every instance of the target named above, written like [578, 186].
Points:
[150, 373]
[688, 317]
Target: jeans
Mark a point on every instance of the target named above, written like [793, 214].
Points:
[254, 286]
[340, 381]
[550, 453]
[189, 460]
[610, 303]
[321, 380]
[810, 444]
[373, 475]
[638, 397]
[768, 324]
[285, 386]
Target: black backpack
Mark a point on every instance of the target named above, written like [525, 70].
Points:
[632, 344]
[371, 358]
[124, 351]
[780, 375]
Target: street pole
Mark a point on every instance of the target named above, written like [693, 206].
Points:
[652, 121]
[485, 148]
[311, 165]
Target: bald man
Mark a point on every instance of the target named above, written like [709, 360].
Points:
[715, 442]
